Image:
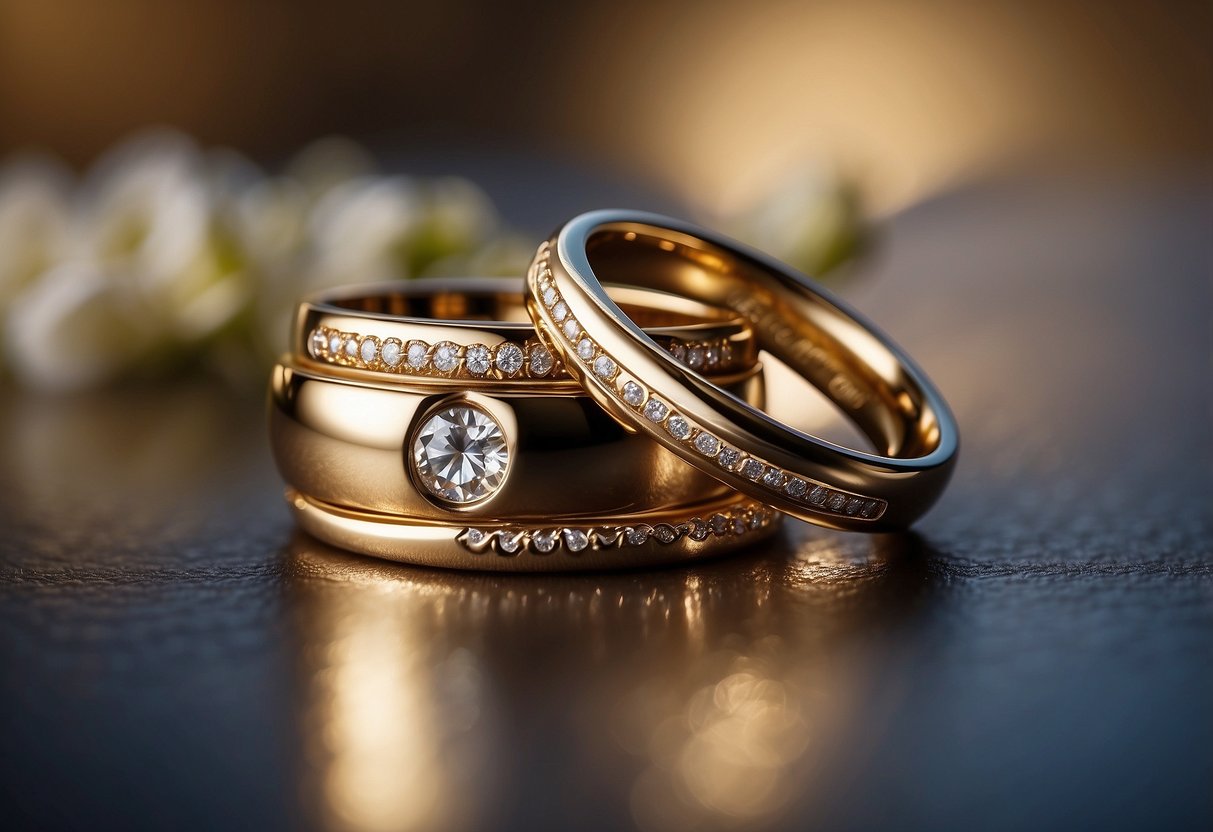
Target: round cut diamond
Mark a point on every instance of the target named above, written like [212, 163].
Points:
[559, 312]
[604, 366]
[351, 348]
[446, 357]
[334, 345]
[728, 457]
[571, 328]
[637, 535]
[510, 542]
[796, 487]
[549, 296]
[707, 444]
[478, 359]
[541, 361]
[576, 539]
[678, 427]
[545, 541]
[655, 410]
[368, 350]
[585, 349]
[633, 394]
[509, 358]
[751, 469]
[774, 478]
[460, 454]
[390, 352]
[418, 354]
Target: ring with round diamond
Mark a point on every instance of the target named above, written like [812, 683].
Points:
[870, 379]
[492, 459]
[482, 450]
[462, 329]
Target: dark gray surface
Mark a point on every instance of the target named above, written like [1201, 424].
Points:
[1038, 654]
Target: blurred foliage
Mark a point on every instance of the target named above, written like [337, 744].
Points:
[167, 258]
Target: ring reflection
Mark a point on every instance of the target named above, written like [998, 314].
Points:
[720, 694]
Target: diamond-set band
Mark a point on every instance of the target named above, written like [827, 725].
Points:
[444, 359]
[574, 540]
[505, 361]
[558, 322]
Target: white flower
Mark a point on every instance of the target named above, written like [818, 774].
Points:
[72, 328]
[34, 220]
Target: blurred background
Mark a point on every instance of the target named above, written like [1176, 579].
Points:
[794, 125]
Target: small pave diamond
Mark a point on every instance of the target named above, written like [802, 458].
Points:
[720, 524]
[637, 535]
[699, 529]
[571, 328]
[545, 541]
[604, 366]
[390, 352]
[446, 357]
[796, 487]
[728, 457]
[655, 410]
[751, 469]
[707, 444]
[368, 350]
[460, 454]
[560, 312]
[585, 349]
[478, 359]
[818, 495]
[549, 296]
[510, 358]
[509, 542]
[576, 539]
[351, 348]
[678, 427]
[335, 344]
[541, 360]
[664, 532]
[418, 354]
[318, 343]
[474, 537]
[774, 478]
[633, 394]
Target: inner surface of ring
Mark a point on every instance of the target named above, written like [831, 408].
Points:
[503, 301]
[836, 353]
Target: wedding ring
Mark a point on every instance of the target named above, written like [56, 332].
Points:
[478, 330]
[489, 450]
[871, 380]
[677, 534]
[499, 467]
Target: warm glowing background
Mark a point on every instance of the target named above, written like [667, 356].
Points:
[709, 100]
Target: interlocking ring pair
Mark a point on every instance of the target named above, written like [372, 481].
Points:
[607, 413]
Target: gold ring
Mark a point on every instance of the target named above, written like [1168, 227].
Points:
[872, 381]
[677, 534]
[498, 468]
[373, 445]
[477, 330]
